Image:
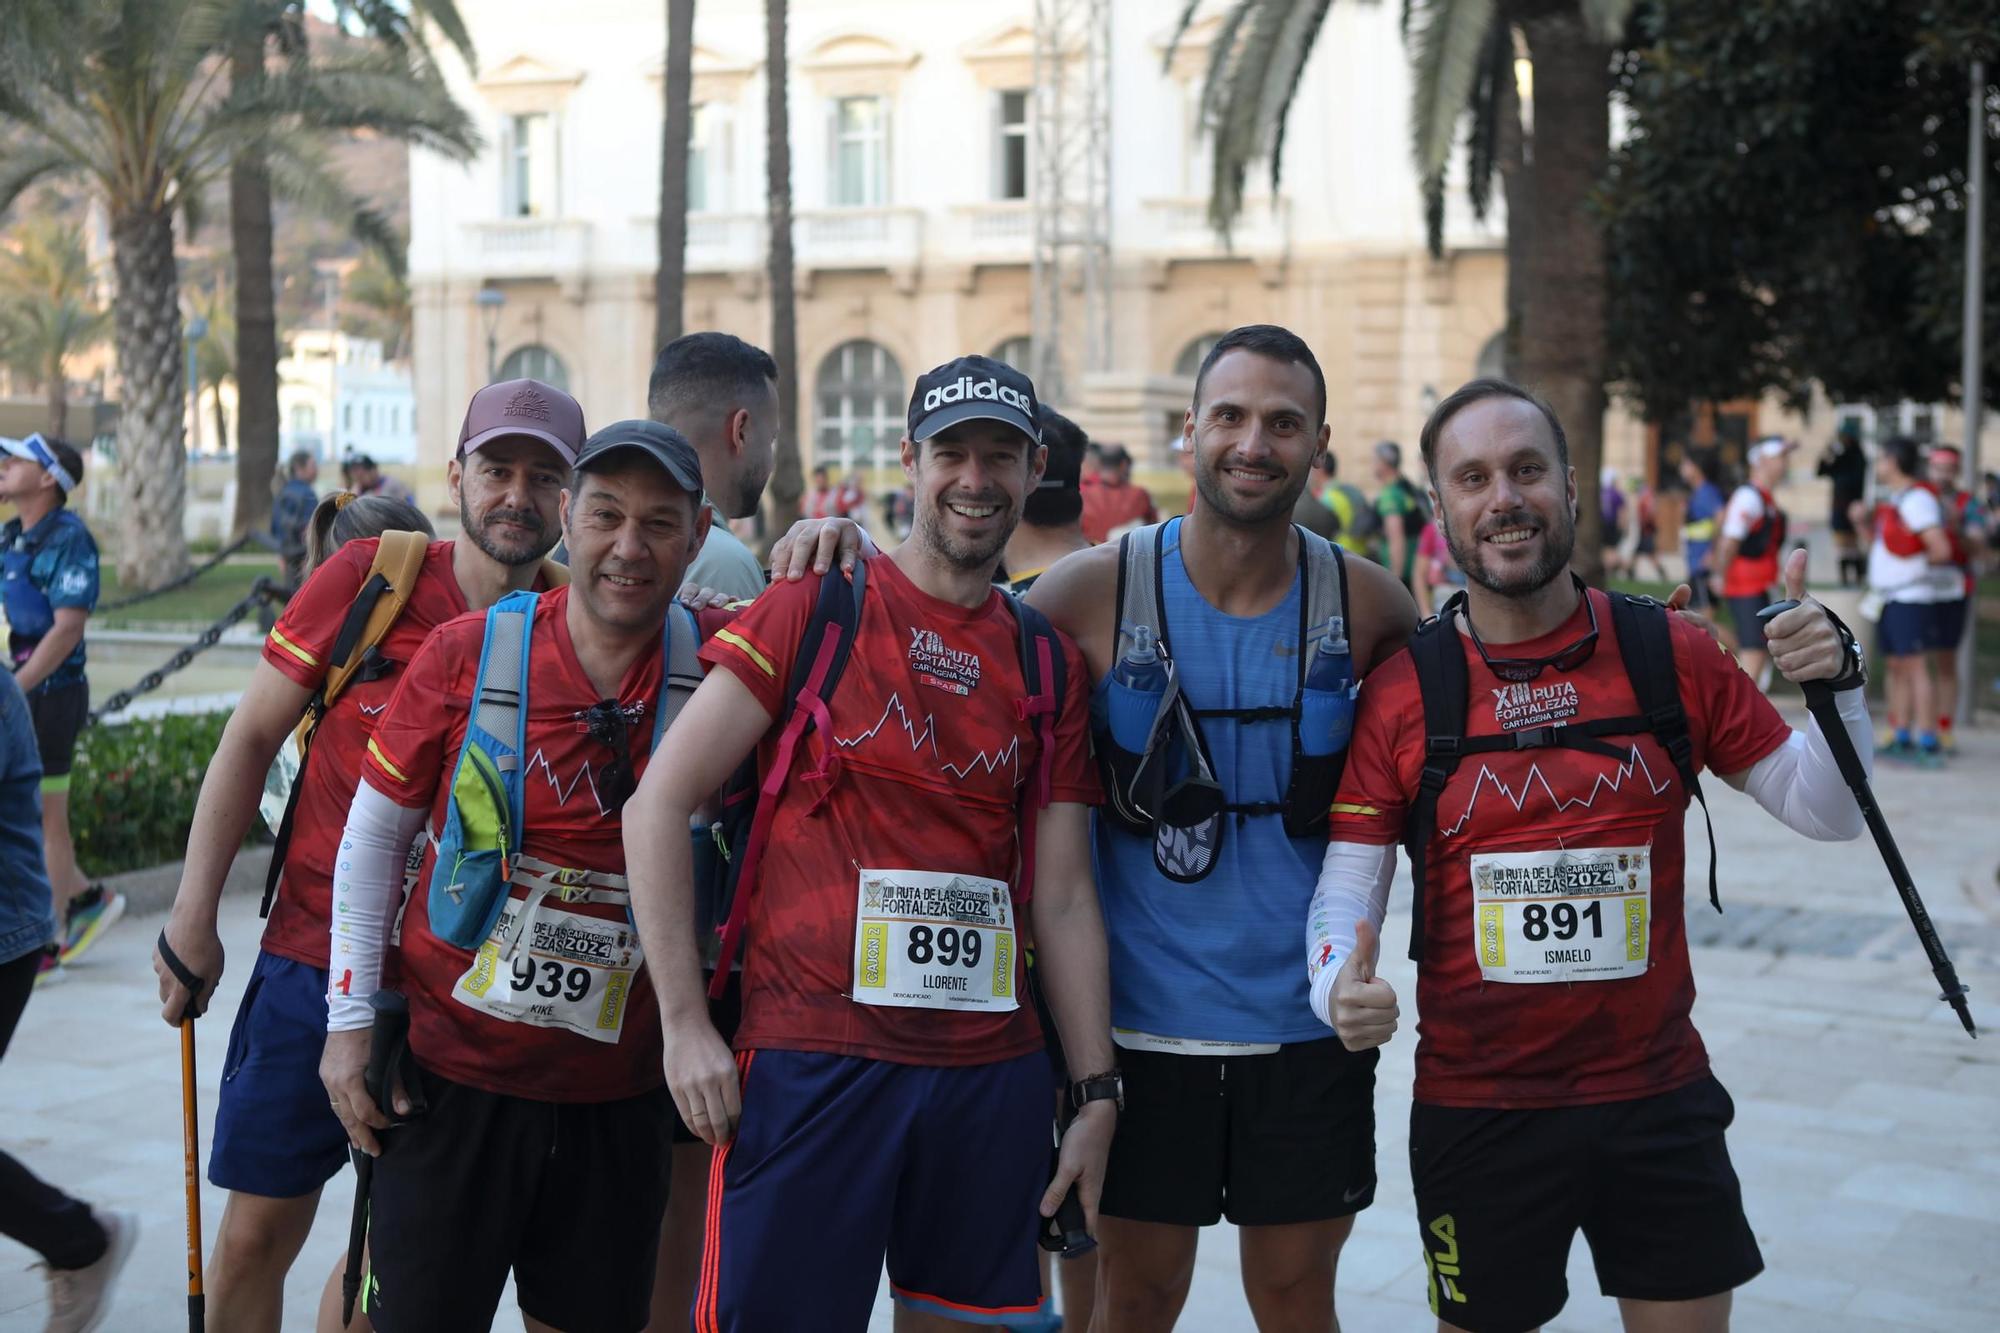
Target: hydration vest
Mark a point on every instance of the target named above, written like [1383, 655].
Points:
[479, 845]
[1897, 538]
[728, 853]
[1645, 645]
[1141, 793]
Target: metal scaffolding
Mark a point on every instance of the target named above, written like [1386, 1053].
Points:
[1070, 151]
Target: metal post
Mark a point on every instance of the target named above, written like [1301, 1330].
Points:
[1972, 397]
[1070, 191]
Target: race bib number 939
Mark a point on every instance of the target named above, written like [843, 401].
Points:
[1576, 914]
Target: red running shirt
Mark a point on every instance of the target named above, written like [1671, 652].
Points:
[930, 759]
[411, 761]
[1507, 1044]
[299, 646]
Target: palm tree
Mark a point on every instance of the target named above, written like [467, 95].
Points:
[132, 95]
[787, 480]
[215, 365]
[383, 290]
[47, 310]
[281, 27]
[1462, 58]
[670, 279]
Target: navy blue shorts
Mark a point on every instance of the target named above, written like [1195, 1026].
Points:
[275, 1131]
[839, 1160]
[1951, 622]
[1912, 628]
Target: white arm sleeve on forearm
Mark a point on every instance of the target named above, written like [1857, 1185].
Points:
[367, 889]
[1800, 783]
[1353, 883]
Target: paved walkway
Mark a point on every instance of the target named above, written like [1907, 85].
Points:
[1867, 1132]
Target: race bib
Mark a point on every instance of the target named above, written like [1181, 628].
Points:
[568, 971]
[1582, 914]
[926, 940]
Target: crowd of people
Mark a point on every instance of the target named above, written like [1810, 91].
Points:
[756, 936]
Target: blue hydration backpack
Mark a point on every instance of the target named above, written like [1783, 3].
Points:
[479, 847]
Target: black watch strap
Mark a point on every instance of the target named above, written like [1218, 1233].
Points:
[1108, 1087]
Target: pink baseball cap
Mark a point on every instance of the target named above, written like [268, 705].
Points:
[524, 408]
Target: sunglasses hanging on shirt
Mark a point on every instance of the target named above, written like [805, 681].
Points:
[1521, 669]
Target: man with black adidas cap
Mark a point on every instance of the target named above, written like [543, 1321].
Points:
[542, 1146]
[277, 1141]
[889, 1090]
[1560, 1082]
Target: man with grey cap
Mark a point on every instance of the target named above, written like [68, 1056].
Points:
[533, 1041]
[277, 1141]
[886, 1072]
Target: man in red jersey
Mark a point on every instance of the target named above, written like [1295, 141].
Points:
[1560, 1084]
[543, 1146]
[889, 1092]
[276, 1141]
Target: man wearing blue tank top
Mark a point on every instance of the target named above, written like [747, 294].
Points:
[1237, 1103]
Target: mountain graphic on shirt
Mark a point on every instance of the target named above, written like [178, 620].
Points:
[1612, 781]
[925, 736]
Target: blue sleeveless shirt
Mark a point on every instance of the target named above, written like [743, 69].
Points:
[1222, 959]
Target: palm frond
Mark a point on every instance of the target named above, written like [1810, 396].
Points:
[1180, 31]
[1240, 114]
[1496, 71]
[1294, 51]
[1445, 51]
[385, 92]
[300, 173]
[1605, 19]
[26, 162]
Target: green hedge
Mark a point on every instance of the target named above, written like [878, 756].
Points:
[133, 792]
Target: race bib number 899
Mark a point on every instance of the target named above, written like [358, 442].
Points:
[928, 940]
[1578, 914]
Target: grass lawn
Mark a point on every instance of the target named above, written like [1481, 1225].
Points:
[197, 604]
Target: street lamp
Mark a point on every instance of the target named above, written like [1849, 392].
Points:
[489, 301]
[197, 329]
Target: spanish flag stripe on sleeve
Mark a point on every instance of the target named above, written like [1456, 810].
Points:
[375, 751]
[748, 649]
[293, 648]
[1345, 808]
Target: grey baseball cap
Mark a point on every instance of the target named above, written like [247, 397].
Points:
[529, 409]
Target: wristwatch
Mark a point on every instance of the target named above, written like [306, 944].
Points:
[1854, 669]
[1106, 1087]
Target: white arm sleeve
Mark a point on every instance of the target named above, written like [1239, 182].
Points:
[366, 893]
[1353, 883]
[1800, 783]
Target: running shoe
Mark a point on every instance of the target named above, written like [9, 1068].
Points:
[50, 970]
[80, 1298]
[88, 920]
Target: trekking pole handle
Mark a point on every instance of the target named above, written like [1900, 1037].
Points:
[387, 1038]
[183, 974]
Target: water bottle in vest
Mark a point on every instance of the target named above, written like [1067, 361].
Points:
[1326, 713]
[1138, 684]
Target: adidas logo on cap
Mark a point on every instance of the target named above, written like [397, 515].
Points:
[966, 388]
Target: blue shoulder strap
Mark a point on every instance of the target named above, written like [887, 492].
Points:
[680, 668]
[500, 694]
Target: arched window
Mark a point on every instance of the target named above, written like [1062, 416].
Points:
[1018, 353]
[1188, 363]
[535, 362]
[861, 406]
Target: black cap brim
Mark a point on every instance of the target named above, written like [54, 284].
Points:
[687, 477]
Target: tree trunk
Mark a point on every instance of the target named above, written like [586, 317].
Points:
[256, 319]
[152, 444]
[787, 480]
[1515, 170]
[670, 279]
[1562, 269]
[222, 425]
[57, 389]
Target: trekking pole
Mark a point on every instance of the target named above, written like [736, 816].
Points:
[190, 1135]
[387, 1040]
[1820, 703]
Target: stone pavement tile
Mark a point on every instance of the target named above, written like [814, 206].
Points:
[1926, 1189]
[1816, 1294]
[1943, 1259]
[1904, 1309]
[1913, 1103]
[1751, 1313]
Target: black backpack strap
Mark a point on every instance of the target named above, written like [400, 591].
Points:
[1442, 681]
[343, 647]
[1645, 643]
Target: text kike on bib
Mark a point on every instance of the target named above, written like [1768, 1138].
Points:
[1576, 914]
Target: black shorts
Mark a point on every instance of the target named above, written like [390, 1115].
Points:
[1743, 615]
[726, 1013]
[1501, 1194]
[59, 713]
[568, 1196]
[1264, 1140]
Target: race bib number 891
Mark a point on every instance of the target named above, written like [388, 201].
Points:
[1578, 914]
[928, 940]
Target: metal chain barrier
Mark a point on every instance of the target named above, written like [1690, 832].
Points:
[213, 562]
[263, 590]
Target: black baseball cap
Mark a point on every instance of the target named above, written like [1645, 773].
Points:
[973, 388]
[663, 444]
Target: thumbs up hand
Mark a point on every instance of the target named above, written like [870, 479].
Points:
[1803, 642]
[1364, 1006]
